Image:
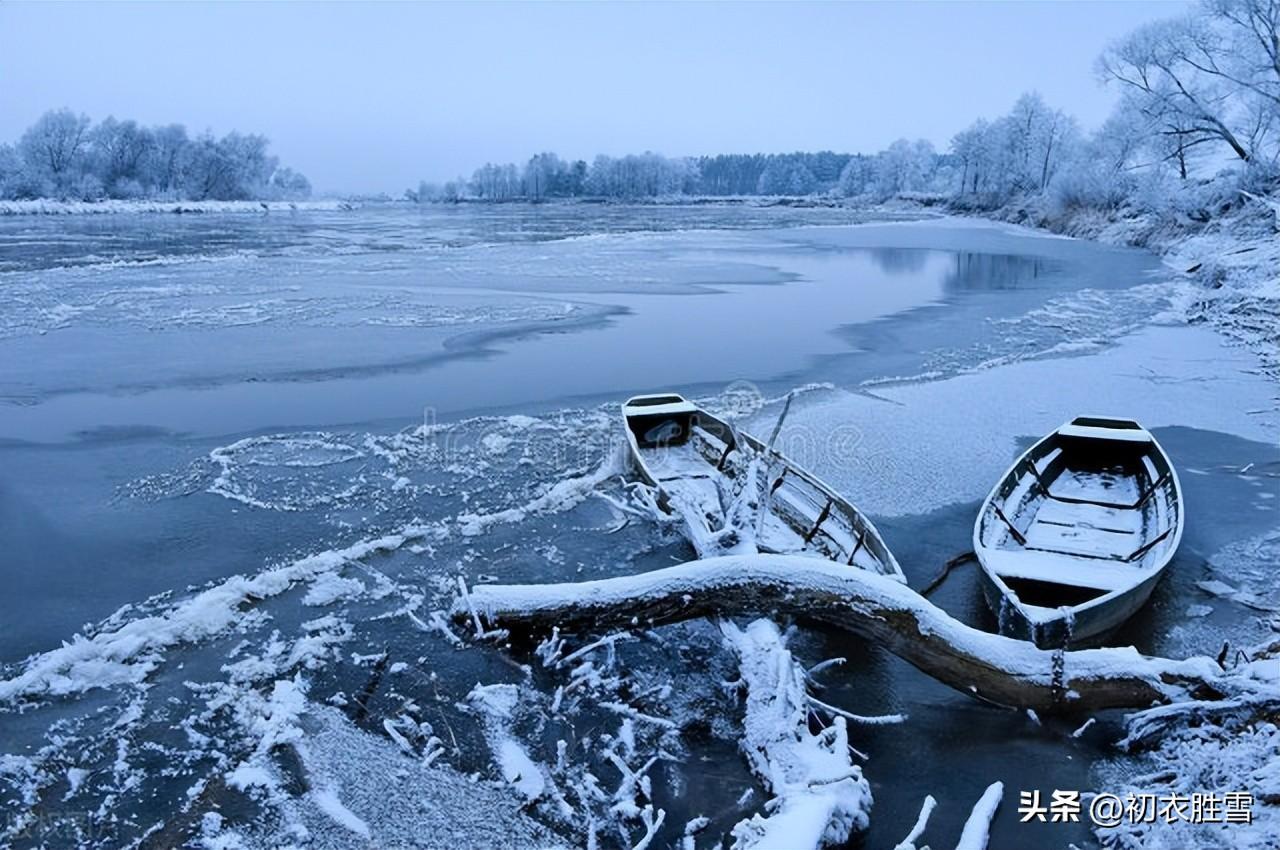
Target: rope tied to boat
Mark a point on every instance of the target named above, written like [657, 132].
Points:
[1057, 681]
[1058, 675]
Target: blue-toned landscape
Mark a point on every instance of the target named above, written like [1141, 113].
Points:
[320, 525]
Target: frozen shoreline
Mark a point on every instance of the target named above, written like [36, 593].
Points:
[1234, 259]
[52, 207]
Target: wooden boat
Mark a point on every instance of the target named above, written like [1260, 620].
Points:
[697, 462]
[1075, 536]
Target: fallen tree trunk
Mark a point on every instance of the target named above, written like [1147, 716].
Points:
[994, 668]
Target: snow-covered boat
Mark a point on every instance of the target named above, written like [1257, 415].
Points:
[699, 463]
[1075, 536]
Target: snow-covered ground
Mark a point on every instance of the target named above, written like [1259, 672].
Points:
[47, 206]
[964, 427]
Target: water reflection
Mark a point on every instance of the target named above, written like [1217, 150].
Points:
[968, 272]
[985, 272]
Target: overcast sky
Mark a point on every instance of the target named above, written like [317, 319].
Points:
[374, 97]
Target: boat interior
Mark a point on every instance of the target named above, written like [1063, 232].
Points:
[1089, 510]
[691, 456]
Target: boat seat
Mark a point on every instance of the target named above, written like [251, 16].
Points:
[1090, 515]
[1104, 489]
[1093, 543]
[1062, 568]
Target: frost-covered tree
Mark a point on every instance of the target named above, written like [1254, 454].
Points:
[1102, 173]
[53, 148]
[980, 149]
[1208, 78]
[1037, 138]
[573, 182]
[647, 175]
[904, 167]
[118, 153]
[493, 182]
[857, 177]
[288, 184]
[786, 176]
[63, 155]
[541, 175]
[168, 160]
[12, 174]
[235, 167]
[1018, 154]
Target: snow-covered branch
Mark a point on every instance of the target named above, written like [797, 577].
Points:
[819, 795]
[991, 667]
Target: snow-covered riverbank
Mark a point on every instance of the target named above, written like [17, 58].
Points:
[1232, 254]
[46, 206]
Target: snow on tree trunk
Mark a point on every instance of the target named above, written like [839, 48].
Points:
[819, 795]
[990, 667]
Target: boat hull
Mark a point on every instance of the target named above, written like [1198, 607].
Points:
[1089, 624]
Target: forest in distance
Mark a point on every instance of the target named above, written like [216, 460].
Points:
[1198, 93]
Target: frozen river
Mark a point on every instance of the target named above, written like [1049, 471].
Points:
[188, 399]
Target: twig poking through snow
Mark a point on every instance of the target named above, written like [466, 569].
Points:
[824, 665]
[652, 825]
[466, 598]
[691, 829]
[977, 829]
[437, 623]
[606, 641]
[926, 809]
[628, 711]
[1084, 727]
[878, 720]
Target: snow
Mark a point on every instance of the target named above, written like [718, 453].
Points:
[1232, 262]
[1232, 755]
[75, 778]
[1189, 377]
[247, 776]
[819, 795]
[520, 770]
[114, 207]
[868, 594]
[559, 496]
[496, 705]
[366, 790]
[977, 829]
[129, 652]
[329, 803]
[331, 587]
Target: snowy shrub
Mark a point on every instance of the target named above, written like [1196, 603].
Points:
[1089, 187]
[87, 187]
[128, 189]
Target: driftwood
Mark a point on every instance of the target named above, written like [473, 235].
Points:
[990, 667]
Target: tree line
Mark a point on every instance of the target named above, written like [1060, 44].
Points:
[1197, 92]
[65, 156]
